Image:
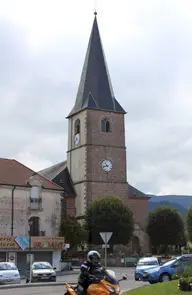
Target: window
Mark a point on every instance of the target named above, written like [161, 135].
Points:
[41, 265]
[35, 199]
[105, 125]
[34, 226]
[77, 127]
[7, 266]
[42, 233]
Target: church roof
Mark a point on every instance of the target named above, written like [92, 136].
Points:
[95, 89]
[59, 174]
[133, 192]
[52, 171]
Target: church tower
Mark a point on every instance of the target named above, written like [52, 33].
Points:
[96, 156]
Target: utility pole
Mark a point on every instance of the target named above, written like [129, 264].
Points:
[30, 222]
[12, 210]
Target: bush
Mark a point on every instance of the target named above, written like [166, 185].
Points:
[185, 279]
[185, 284]
[186, 273]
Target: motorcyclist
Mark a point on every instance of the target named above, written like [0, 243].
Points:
[89, 269]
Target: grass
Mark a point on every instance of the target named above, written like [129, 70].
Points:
[167, 288]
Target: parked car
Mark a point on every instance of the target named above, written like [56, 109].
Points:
[9, 273]
[41, 271]
[163, 273]
[143, 264]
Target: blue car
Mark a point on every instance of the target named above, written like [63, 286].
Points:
[144, 264]
[165, 272]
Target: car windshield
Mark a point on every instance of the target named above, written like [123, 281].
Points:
[7, 266]
[41, 265]
[169, 262]
[147, 262]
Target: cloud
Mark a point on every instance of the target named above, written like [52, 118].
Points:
[148, 47]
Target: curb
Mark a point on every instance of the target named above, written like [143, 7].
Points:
[32, 285]
[60, 274]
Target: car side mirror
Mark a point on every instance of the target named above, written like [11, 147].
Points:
[54, 268]
[124, 277]
[174, 265]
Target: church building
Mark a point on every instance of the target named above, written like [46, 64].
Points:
[96, 156]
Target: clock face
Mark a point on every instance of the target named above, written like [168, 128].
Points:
[77, 139]
[107, 165]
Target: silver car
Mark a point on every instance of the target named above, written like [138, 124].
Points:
[9, 273]
[41, 271]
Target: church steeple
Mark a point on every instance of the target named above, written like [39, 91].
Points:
[95, 89]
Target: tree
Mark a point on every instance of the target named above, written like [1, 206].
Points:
[165, 227]
[74, 233]
[109, 214]
[189, 223]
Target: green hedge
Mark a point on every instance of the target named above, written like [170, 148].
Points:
[187, 273]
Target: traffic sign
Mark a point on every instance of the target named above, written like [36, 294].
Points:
[106, 236]
[105, 246]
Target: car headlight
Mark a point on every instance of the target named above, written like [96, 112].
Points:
[145, 274]
[53, 273]
[34, 274]
[111, 289]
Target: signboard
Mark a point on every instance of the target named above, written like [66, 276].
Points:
[8, 242]
[11, 257]
[48, 243]
[106, 236]
[22, 241]
[105, 246]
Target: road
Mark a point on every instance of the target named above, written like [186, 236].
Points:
[59, 290]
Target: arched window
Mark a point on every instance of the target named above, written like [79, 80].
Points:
[77, 127]
[105, 125]
[34, 226]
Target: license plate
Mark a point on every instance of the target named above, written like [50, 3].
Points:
[44, 275]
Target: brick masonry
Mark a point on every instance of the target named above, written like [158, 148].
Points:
[98, 146]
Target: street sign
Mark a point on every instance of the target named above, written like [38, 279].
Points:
[22, 241]
[106, 236]
[105, 246]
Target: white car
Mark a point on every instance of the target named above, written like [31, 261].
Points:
[9, 273]
[41, 271]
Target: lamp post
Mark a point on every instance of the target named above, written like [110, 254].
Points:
[30, 222]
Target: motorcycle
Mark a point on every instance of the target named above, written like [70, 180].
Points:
[108, 285]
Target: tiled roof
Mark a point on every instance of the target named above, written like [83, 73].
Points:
[13, 172]
[95, 88]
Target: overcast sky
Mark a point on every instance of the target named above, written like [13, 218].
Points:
[148, 46]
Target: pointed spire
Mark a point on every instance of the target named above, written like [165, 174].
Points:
[95, 89]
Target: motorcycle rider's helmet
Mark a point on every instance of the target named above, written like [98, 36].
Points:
[93, 257]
